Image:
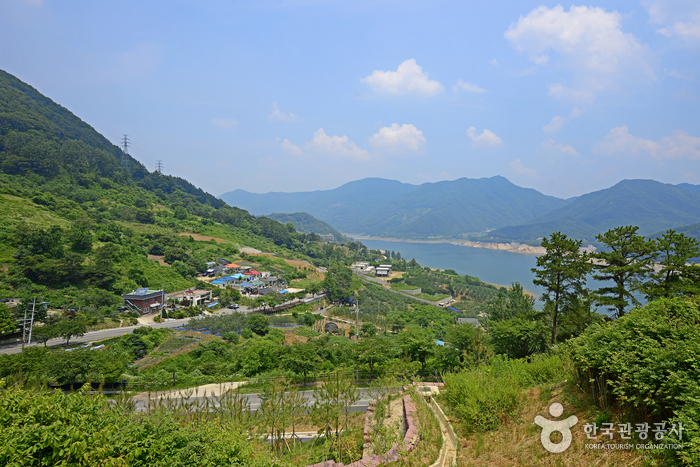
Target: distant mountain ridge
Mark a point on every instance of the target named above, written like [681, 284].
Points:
[652, 206]
[380, 207]
[490, 209]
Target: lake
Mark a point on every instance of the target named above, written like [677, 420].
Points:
[491, 266]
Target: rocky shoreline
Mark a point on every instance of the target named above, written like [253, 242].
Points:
[513, 247]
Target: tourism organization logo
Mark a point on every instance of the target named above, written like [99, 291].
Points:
[553, 426]
[592, 431]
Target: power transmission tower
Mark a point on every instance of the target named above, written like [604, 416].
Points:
[125, 152]
[159, 166]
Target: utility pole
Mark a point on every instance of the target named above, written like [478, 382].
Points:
[24, 327]
[31, 323]
[357, 334]
[159, 166]
[125, 152]
[162, 302]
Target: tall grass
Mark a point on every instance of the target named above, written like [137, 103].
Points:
[483, 397]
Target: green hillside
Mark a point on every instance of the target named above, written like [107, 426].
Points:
[306, 223]
[76, 225]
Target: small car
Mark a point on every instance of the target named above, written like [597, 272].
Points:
[234, 306]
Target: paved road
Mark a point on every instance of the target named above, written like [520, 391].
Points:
[113, 332]
[97, 335]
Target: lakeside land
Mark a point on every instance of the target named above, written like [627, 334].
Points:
[512, 247]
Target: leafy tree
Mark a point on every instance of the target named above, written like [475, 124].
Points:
[103, 272]
[174, 254]
[676, 275]
[7, 322]
[301, 359]
[231, 337]
[372, 352]
[418, 345]
[468, 340]
[562, 272]
[314, 288]
[627, 262]
[180, 213]
[43, 334]
[518, 337]
[368, 329]
[514, 302]
[69, 328]
[80, 237]
[259, 324]
[398, 324]
[261, 355]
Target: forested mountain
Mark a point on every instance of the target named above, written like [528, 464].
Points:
[651, 205]
[343, 207]
[75, 223]
[306, 223]
[690, 187]
[381, 207]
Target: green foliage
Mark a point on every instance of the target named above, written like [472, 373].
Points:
[301, 359]
[562, 272]
[69, 328]
[373, 352]
[259, 324]
[7, 321]
[511, 303]
[518, 338]
[677, 275]
[483, 397]
[417, 344]
[56, 429]
[648, 361]
[625, 264]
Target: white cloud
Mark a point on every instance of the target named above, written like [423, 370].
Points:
[278, 116]
[493, 62]
[290, 148]
[468, 87]
[679, 145]
[587, 41]
[226, 123]
[519, 169]
[409, 78]
[560, 147]
[398, 140]
[336, 147]
[680, 18]
[486, 138]
[558, 121]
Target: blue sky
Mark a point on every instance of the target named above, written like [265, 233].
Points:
[305, 95]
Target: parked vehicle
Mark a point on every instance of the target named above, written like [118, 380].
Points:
[234, 306]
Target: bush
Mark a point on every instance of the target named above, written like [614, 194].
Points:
[519, 338]
[649, 362]
[481, 397]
